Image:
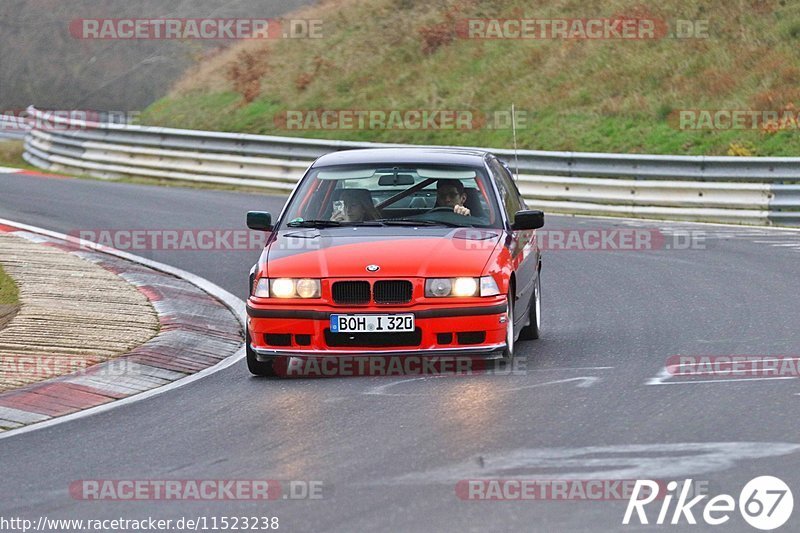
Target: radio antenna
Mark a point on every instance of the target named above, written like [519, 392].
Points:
[514, 132]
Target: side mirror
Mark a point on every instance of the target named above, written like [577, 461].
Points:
[259, 220]
[528, 220]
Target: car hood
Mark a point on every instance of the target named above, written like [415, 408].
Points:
[399, 252]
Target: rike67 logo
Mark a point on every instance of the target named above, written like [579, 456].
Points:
[765, 503]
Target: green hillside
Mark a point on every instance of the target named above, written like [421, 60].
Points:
[617, 95]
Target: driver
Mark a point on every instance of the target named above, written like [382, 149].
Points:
[450, 193]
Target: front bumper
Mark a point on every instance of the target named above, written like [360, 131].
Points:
[469, 330]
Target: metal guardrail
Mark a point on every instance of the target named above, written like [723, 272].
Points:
[746, 190]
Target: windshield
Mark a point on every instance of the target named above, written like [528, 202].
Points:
[390, 195]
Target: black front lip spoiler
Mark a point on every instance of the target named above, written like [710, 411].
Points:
[326, 315]
[482, 352]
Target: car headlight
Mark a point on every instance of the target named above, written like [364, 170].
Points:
[282, 288]
[438, 288]
[460, 287]
[307, 288]
[287, 288]
[465, 287]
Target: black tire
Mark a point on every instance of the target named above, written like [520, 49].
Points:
[256, 367]
[534, 327]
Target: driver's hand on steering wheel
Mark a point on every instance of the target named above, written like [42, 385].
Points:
[461, 210]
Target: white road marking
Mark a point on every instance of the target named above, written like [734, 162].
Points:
[380, 389]
[720, 380]
[571, 368]
[659, 379]
[585, 381]
[625, 461]
[683, 224]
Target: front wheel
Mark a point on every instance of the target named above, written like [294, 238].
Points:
[534, 327]
[256, 367]
[508, 353]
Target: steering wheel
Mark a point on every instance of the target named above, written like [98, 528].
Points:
[441, 208]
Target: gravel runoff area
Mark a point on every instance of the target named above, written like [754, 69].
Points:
[72, 314]
[93, 327]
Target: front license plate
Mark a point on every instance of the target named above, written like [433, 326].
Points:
[372, 323]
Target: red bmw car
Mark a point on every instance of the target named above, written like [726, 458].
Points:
[396, 252]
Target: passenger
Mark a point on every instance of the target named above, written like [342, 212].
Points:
[357, 207]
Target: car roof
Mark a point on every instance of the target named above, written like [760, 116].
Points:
[431, 156]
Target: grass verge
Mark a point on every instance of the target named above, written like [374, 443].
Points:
[11, 154]
[9, 293]
[9, 298]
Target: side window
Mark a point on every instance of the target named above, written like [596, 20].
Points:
[509, 173]
[507, 188]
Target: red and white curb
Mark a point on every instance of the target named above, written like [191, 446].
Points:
[34, 173]
[201, 333]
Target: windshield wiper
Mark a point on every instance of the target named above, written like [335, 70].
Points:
[331, 223]
[412, 222]
[365, 223]
[313, 224]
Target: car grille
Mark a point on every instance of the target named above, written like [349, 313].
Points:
[373, 340]
[383, 292]
[351, 292]
[392, 292]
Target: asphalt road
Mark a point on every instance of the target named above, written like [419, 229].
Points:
[390, 450]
